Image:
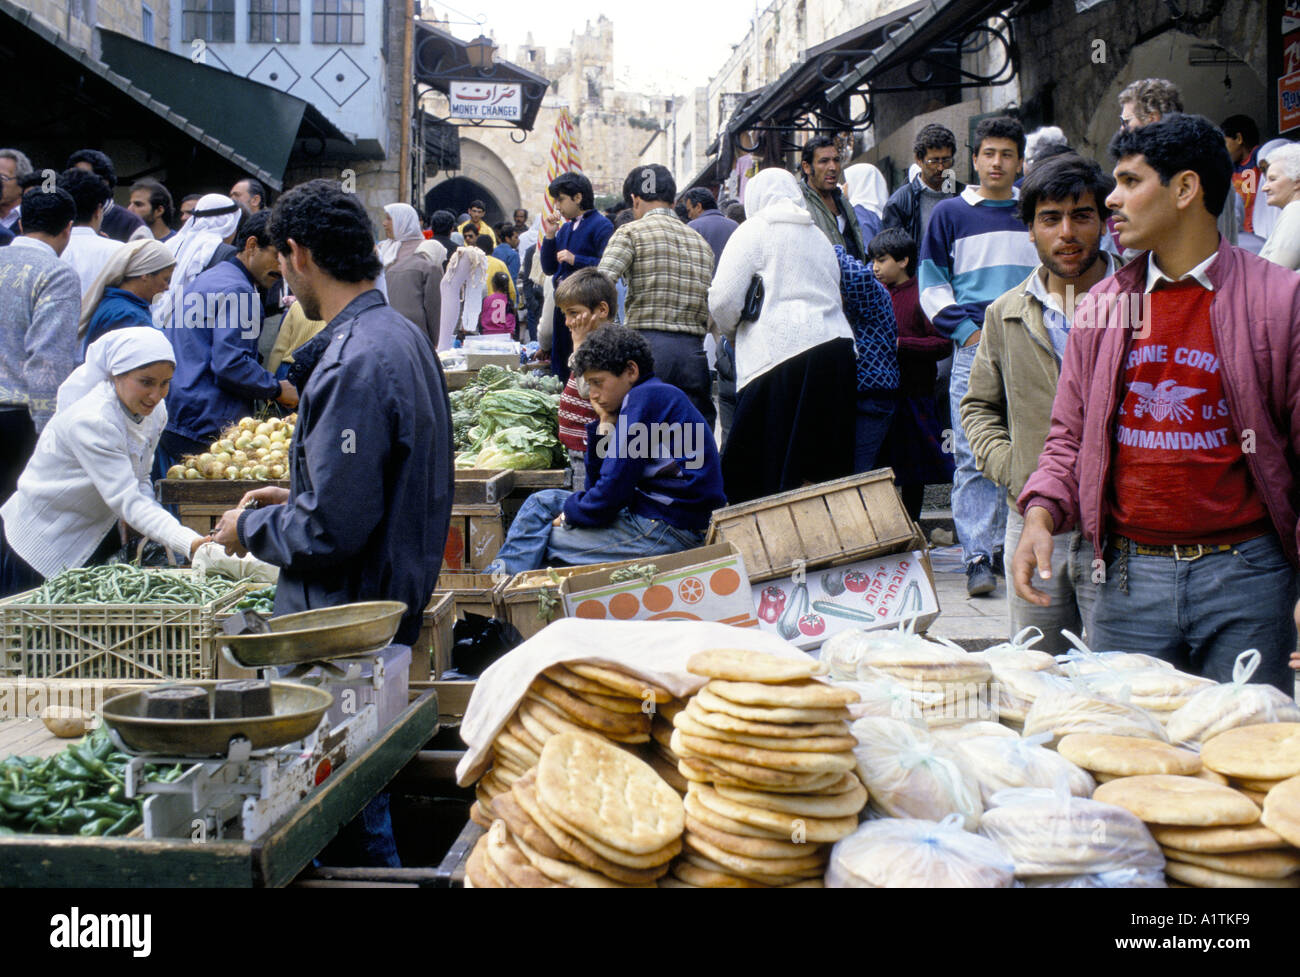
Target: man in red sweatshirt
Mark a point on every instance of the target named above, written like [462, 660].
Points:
[1175, 437]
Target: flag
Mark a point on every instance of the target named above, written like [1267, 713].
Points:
[564, 155]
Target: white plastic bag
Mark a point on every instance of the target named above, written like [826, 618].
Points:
[999, 763]
[915, 854]
[1019, 653]
[948, 735]
[909, 775]
[1227, 706]
[1049, 832]
[885, 696]
[1120, 878]
[1158, 690]
[211, 558]
[1080, 710]
[1084, 661]
[1014, 691]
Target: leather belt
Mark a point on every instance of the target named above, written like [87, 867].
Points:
[1186, 552]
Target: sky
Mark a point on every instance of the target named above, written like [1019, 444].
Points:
[688, 42]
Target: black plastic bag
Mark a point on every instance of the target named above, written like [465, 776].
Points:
[479, 641]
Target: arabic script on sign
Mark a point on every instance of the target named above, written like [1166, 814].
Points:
[484, 100]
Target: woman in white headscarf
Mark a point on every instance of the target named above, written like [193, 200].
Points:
[91, 465]
[402, 230]
[198, 245]
[868, 193]
[412, 269]
[122, 293]
[795, 410]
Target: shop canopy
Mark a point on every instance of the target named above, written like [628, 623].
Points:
[502, 95]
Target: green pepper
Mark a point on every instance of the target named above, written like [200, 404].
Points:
[123, 824]
[95, 827]
[70, 767]
[21, 803]
[107, 809]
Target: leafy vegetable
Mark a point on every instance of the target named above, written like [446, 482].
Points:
[512, 447]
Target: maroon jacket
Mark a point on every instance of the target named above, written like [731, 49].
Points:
[919, 347]
[1255, 319]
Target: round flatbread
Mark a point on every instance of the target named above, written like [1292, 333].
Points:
[583, 712]
[707, 878]
[850, 803]
[1126, 756]
[808, 744]
[755, 778]
[811, 862]
[739, 665]
[1282, 810]
[667, 769]
[1268, 751]
[793, 761]
[569, 874]
[562, 675]
[1208, 878]
[1164, 799]
[706, 815]
[747, 845]
[1253, 864]
[1261, 786]
[620, 682]
[478, 817]
[506, 857]
[785, 825]
[608, 794]
[476, 876]
[1218, 841]
[1209, 775]
[730, 724]
[791, 695]
[703, 861]
[768, 714]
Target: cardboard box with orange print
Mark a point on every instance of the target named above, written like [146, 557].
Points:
[704, 584]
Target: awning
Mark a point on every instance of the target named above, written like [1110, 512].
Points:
[800, 91]
[256, 123]
[441, 60]
[936, 35]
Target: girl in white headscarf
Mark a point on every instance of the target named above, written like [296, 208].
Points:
[402, 227]
[121, 295]
[91, 465]
[868, 193]
[214, 222]
[796, 407]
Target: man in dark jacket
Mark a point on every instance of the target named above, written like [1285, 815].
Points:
[573, 238]
[119, 223]
[826, 203]
[705, 217]
[441, 223]
[910, 205]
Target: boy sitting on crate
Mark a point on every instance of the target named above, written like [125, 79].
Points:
[652, 470]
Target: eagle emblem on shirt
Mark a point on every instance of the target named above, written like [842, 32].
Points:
[1164, 400]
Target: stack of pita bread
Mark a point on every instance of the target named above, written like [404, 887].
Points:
[1020, 675]
[1081, 710]
[911, 774]
[569, 697]
[1160, 691]
[590, 815]
[957, 680]
[767, 753]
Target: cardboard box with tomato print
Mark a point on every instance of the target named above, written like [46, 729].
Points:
[704, 584]
[808, 607]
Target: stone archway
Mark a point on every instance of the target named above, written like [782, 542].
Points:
[456, 193]
[480, 170]
[1202, 88]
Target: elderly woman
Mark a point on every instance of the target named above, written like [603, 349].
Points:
[121, 295]
[412, 269]
[91, 465]
[1282, 187]
[795, 382]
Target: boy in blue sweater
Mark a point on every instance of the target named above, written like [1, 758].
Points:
[975, 248]
[652, 468]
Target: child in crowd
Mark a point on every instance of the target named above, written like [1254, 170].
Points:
[652, 466]
[587, 300]
[498, 315]
[914, 445]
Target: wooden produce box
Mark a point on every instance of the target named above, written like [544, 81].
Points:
[524, 481]
[474, 537]
[479, 486]
[114, 641]
[835, 522]
[459, 379]
[473, 593]
[431, 653]
[201, 502]
[521, 597]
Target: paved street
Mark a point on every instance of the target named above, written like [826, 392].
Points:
[972, 622]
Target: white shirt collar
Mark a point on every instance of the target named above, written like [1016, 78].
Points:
[1038, 286]
[81, 230]
[1155, 276]
[23, 241]
[973, 196]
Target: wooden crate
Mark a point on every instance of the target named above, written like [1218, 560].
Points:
[841, 521]
[431, 653]
[519, 598]
[201, 502]
[477, 486]
[474, 536]
[474, 593]
[116, 641]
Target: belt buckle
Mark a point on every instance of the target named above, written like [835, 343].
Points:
[1200, 552]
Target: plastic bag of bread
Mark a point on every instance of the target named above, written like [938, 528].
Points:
[1084, 661]
[1050, 832]
[1157, 690]
[1018, 653]
[1015, 690]
[845, 651]
[915, 854]
[1080, 710]
[920, 662]
[949, 735]
[909, 775]
[1121, 878]
[1232, 704]
[885, 696]
[1000, 763]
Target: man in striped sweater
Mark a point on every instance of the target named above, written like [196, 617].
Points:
[975, 248]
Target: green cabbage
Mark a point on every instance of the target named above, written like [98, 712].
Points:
[513, 447]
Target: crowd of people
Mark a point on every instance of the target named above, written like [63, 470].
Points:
[1137, 475]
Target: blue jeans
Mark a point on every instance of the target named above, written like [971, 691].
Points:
[1200, 614]
[533, 542]
[979, 508]
[875, 414]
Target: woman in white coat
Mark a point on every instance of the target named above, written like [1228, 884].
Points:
[91, 465]
[795, 366]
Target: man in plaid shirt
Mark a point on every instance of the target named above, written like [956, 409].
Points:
[668, 268]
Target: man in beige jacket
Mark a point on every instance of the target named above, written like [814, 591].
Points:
[1007, 409]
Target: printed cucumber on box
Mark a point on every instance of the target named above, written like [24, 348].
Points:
[808, 608]
[704, 584]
